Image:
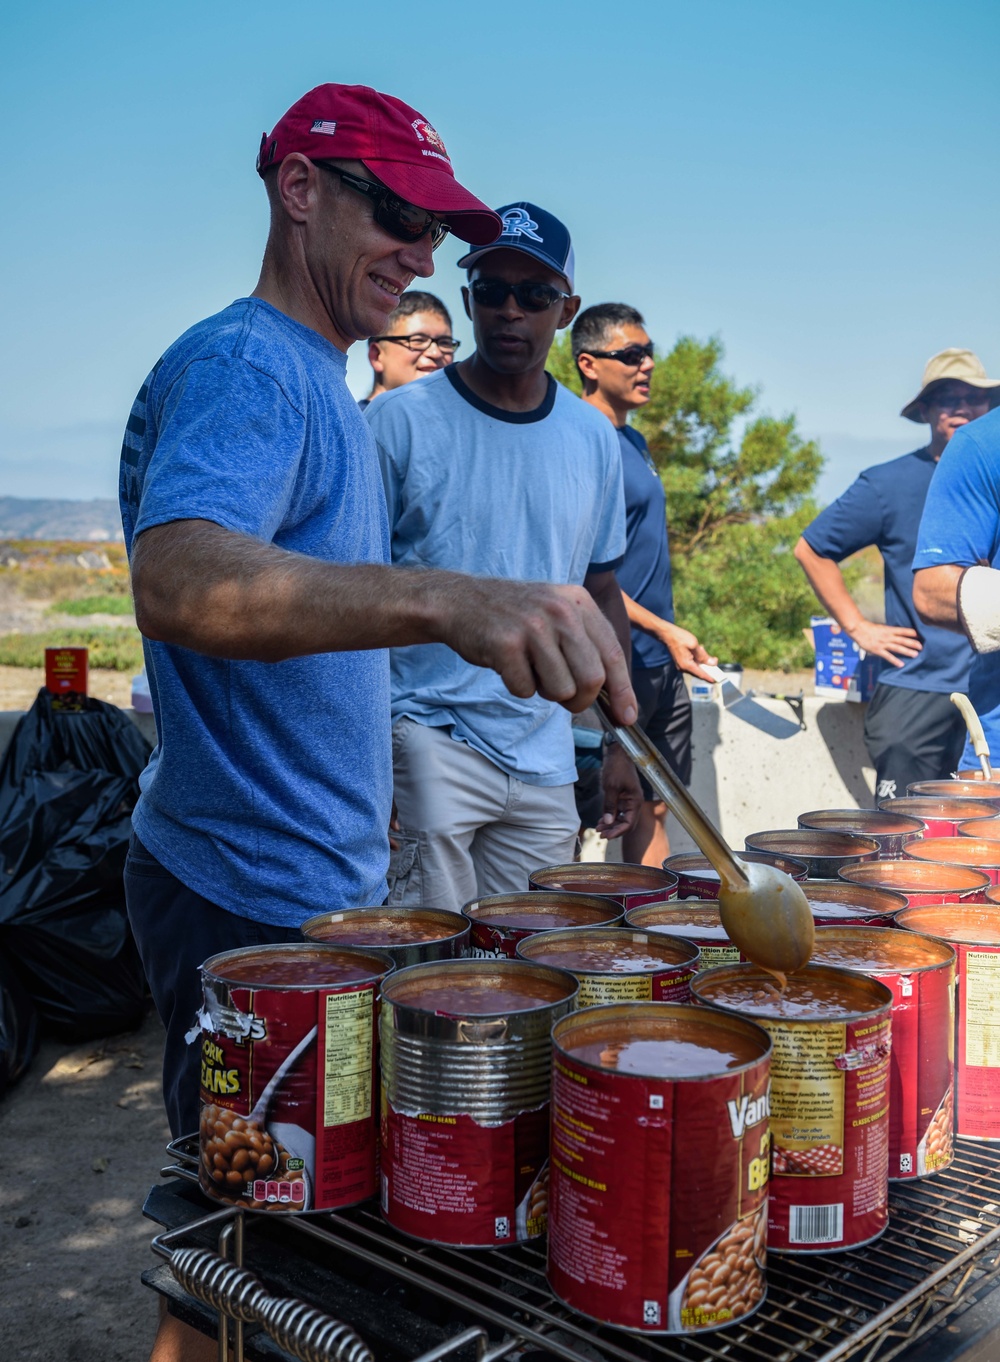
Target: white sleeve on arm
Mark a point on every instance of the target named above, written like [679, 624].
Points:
[979, 607]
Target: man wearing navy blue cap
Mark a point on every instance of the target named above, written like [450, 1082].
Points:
[492, 468]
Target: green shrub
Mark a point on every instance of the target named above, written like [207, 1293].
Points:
[94, 605]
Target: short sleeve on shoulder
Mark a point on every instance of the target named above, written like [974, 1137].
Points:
[961, 519]
[609, 539]
[851, 523]
[228, 449]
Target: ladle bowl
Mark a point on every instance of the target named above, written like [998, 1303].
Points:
[768, 917]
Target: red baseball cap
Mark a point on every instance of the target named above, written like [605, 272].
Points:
[356, 123]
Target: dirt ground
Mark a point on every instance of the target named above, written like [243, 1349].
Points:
[20, 685]
[82, 1137]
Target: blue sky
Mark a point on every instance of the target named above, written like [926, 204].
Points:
[816, 184]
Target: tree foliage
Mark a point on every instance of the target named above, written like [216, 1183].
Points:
[739, 493]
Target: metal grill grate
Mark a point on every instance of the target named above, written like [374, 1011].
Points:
[941, 1251]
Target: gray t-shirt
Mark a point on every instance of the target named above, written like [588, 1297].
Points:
[535, 496]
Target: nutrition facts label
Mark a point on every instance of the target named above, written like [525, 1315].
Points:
[347, 1090]
[982, 1009]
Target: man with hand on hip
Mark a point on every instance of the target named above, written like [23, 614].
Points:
[614, 356]
[490, 467]
[912, 730]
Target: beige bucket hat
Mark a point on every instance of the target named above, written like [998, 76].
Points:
[961, 365]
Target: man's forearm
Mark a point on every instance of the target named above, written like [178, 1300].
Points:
[611, 601]
[827, 580]
[643, 618]
[935, 595]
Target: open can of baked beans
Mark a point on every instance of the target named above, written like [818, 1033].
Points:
[288, 1074]
[978, 852]
[692, 920]
[921, 881]
[660, 1151]
[890, 830]
[697, 877]
[974, 932]
[941, 817]
[618, 964]
[981, 827]
[824, 852]
[624, 884]
[831, 1031]
[919, 971]
[500, 921]
[410, 935]
[466, 1071]
[835, 903]
[956, 789]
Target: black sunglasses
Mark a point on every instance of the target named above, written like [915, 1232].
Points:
[632, 355]
[532, 297]
[400, 219]
[418, 341]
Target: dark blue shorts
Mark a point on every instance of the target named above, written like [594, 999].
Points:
[176, 930]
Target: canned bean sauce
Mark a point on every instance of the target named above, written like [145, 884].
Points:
[500, 921]
[975, 934]
[660, 1151]
[829, 1099]
[623, 883]
[410, 935]
[699, 923]
[920, 973]
[288, 1118]
[697, 878]
[466, 1072]
[617, 964]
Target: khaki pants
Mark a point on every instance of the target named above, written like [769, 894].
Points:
[467, 828]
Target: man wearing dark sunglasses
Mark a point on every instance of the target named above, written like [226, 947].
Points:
[417, 341]
[490, 467]
[255, 522]
[614, 356]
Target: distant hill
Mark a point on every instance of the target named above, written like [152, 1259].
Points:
[46, 518]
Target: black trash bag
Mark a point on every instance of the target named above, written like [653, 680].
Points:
[18, 1028]
[68, 784]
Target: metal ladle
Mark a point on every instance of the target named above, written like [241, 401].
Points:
[765, 913]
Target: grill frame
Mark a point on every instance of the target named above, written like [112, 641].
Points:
[940, 1255]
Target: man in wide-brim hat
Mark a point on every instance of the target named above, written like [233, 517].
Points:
[912, 730]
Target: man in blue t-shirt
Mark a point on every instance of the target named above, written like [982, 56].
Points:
[614, 355]
[956, 581]
[912, 730]
[490, 467]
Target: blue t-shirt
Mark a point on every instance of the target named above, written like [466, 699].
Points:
[645, 573]
[883, 507]
[270, 790]
[961, 524]
[534, 496]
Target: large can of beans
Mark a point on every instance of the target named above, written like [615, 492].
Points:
[940, 817]
[500, 921]
[697, 877]
[834, 903]
[890, 830]
[831, 1031]
[410, 935]
[978, 852]
[659, 1166]
[919, 971]
[825, 853]
[921, 881]
[466, 1059]
[617, 964]
[975, 935]
[288, 1073]
[698, 922]
[626, 885]
[981, 827]
[986, 790]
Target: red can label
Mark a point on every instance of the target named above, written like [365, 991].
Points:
[486, 940]
[450, 1180]
[312, 1146]
[66, 670]
[830, 1133]
[659, 1192]
[978, 1017]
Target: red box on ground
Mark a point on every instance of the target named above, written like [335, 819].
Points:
[66, 671]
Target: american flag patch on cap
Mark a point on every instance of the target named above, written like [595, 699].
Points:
[324, 125]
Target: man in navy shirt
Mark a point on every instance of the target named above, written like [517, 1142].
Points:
[912, 730]
[614, 355]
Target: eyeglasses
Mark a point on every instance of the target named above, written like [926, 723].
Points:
[418, 341]
[532, 297]
[403, 220]
[949, 399]
[632, 355]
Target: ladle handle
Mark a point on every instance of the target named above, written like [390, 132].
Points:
[638, 746]
[976, 735]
